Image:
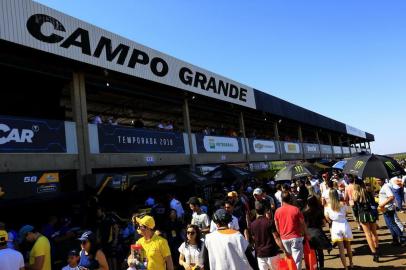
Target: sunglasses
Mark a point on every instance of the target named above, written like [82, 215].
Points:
[191, 233]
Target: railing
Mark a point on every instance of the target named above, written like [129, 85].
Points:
[121, 146]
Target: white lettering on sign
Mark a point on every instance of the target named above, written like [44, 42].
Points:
[312, 148]
[37, 26]
[8, 134]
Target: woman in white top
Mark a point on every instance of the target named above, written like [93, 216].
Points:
[340, 228]
[191, 251]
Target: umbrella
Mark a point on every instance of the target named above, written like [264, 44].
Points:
[232, 173]
[315, 167]
[292, 172]
[373, 166]
[340, 165]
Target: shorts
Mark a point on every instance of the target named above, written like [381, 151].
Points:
[341, 231]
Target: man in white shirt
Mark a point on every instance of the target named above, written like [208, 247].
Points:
[9, 259]
[228, 206]
[227, 249]
[176, 205]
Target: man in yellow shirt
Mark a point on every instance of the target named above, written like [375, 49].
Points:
[155, 247]
[40, 254]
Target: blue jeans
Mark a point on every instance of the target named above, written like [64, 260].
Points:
[389, 217]
[398, 193]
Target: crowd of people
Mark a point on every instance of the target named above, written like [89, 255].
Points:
[253, 225]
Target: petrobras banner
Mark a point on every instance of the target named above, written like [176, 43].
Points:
[215, 144]
[121, 139]
[337, 150]
[291, 148]
[355, 132]
[262, 146]
[311, 148]
[36, 26]
[326, 149]
[19, 135]
[28, 184]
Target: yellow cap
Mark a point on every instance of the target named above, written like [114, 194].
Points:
[3, 236]
[146, 221]
[232, 194]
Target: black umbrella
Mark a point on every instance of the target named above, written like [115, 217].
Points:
[377, 166]
[229, 173]
[291, 172]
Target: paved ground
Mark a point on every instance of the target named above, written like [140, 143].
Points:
[392, 257]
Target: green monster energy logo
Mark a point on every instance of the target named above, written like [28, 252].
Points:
[299, 169]
[358, 164]
[390, 165]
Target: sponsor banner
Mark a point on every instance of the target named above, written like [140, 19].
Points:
[355, 132]
[337, 150]
[18, 135]
[326, 149]
[291, 148]
[37, 26]
[214, 144]
[353, 150]
[346, 150]
[25, 185]
[262, 146]
[311, 148]
[121, 139]
[259, 166]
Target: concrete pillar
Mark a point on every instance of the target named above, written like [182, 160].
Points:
[300, 135]
[79, 107]
[278, 139]
[188, 130]
[330, 140]
[242, 125]
[318, 141]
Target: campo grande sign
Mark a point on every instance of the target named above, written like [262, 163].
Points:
[34, 25]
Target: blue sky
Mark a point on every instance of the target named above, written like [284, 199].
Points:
[342, 58]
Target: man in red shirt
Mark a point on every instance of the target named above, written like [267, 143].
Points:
[291, 227]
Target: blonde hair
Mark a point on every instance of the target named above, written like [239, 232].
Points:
[360, 194]
[334, 200]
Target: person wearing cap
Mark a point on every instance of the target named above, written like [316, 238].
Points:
[387, 206]
[92, 256]
[266, 239]
[199, 218]
[40, 254]
[290, 225]
[266, 200]
[227, 249]
[155, 247]
[397, 189]
[9, 259]
[73, 260]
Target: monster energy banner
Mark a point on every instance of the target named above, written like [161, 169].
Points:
[214, 144]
